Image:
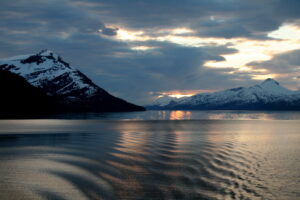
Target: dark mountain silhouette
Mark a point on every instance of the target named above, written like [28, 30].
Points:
[20, 99]
[72, 90]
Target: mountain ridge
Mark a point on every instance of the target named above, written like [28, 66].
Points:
[269, 95]
[57, 78]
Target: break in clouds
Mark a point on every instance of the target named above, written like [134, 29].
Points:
[138, 49]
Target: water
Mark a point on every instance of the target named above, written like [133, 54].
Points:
[187, 115]
[98, 158]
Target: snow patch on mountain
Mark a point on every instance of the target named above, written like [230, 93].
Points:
[274, 87]
[71, 90]
[269, 92]
[47, 67]
[164, 100]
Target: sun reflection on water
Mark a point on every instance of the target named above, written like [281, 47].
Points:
[178, 114]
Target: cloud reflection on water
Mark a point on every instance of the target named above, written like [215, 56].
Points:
[204, 159]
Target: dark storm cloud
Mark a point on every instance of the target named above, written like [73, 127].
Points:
[82, 32]
[226, 18]
[109, 31]
[167, 67]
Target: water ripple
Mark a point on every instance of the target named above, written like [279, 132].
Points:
[141, 160]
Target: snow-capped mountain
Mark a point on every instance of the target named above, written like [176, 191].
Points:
[75, 91]
[269, 95]
[164, 100]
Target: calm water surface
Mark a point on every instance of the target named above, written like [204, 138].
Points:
[229, 155]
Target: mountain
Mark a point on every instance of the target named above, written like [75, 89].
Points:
[269, 95]
[164, 101]
[20, 99]
[73, 91]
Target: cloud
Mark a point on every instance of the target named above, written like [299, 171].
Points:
[285, 63]
[132, 48]
[233, 18]
[285, 66]
[165, 68]
[109, 31]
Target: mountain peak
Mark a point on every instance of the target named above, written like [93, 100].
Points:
[273, 86]
[267, 95]
[41, 57]
[269, 81]
[163, 100]
[46, 52]
[73, 90]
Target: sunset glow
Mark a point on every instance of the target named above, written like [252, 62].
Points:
[183, 93]
[129, 35]
[150, 99]
[180, 95]
[248, 50]
[181, 30]
[142, 48]
[286, 32]
[164, 46]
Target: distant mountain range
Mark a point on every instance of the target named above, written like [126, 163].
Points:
[71, 90]
[269, 95]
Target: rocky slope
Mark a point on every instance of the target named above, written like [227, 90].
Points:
[74, 91]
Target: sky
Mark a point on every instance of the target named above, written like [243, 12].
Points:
[141, 49]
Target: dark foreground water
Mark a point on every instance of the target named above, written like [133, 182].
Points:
[150, 159]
